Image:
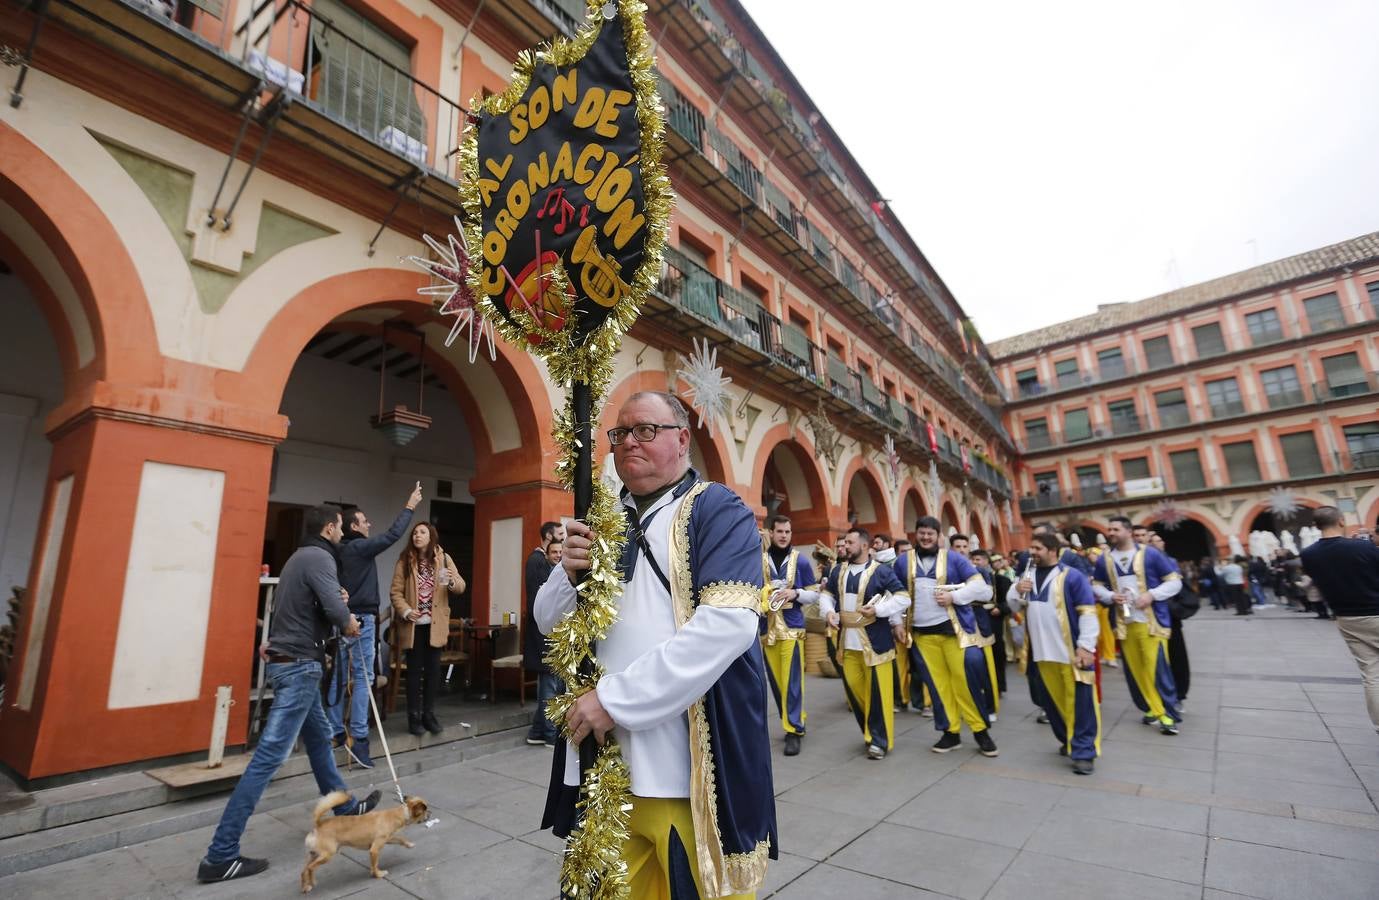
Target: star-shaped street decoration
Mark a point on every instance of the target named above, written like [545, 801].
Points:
[448, 272]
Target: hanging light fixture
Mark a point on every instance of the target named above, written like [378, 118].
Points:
[400, 424]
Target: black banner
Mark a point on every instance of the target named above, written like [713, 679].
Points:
[560, 182]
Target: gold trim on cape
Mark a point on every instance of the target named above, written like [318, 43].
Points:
[1060, 612]
[720, 874]
[776, 629]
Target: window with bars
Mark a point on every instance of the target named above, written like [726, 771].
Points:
[1242, 465]
[1124, 419]
[1344, 376]
[1134, 468]
[1110, 363]
[1065, 370]
[1224, 397]
[1027, 381]
[682, 115]
[823, 251]
[1264, 327]
[1037, 433]
[1090, 483]
[1281, 387]
[1158, 352]
[1373, 289]
[1187, 470]
[1172, 408]
[1362, 445]
[1208, 340]
[1300, 454]
[780, 206]
[1076, 425]
[1324, 312]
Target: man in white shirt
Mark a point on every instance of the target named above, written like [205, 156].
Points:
[677, 663]
[1062, 627]
[866, 602]
[1139, 581]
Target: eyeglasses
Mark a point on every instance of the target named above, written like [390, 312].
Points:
[644, 432]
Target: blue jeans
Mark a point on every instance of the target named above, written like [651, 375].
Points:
[296, 710]
[356, 655]
[547, 687]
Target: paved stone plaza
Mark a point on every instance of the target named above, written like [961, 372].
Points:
[1268, 792]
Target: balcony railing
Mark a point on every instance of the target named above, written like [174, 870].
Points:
[299, 51]
[1355, 385]
[1223, 408]
[1173, 416]
[1284, 399]
[1126, 425]
[1361, 460]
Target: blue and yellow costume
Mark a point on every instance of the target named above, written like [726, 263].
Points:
[1143, 633]
[1061, 617]
[693, 732]
[950, 643]
[783, 633]
[865, 650]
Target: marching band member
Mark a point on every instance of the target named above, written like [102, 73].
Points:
[790, 582]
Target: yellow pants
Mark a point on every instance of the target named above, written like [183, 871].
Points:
[1106, 640]
[785, 661]
[1145, 656]
[1074, 713]
[871, 694]
[991, 673]
[944, 656]
[647, 849]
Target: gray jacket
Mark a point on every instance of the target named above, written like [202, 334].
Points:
[307, 604]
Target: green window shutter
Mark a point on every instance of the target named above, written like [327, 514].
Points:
[1187, 470]
[1300, 454]
[1242, 465]
[1076, 425]
[1158, 353]
[1134, 468]
[365, 77]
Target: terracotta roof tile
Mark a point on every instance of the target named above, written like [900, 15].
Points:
[1363, 249]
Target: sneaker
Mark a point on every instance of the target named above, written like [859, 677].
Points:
[1062, 749]
[927, 712]
[985, 745]
[535, 741]
[360, 753]
[550, 745]
[239, 867]
[367, 805]
[875, 752]
[951, 740]
[1168, 726]
[1083, 766]
[1111, 663]
[991, 720]
[1042, 718]
[792, 745]
[1148, 720]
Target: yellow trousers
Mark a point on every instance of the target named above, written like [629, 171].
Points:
[945, 659]
[1106, 640]
[1073, 711]
[991, 673]
[902, 678]
[647, 849]
[1146, 659]
[785, 662]
[871, 694]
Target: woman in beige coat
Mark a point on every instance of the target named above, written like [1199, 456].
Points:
[423, 580]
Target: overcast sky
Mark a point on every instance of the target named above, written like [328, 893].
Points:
[1048, 157]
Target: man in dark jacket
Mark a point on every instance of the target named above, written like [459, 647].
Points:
[1346, 571]
[537, 570]
[309, 602]
[354, 660]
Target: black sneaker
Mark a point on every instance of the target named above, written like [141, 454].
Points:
[535, 741]
[985, 745]
[951, 740]
[1168, 726]
[239, 867]
[1148, 720]
[1042, 718]
[367, 805]
[1083, 766]
[1062, 749]
[792, 745]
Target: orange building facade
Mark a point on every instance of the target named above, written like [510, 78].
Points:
[1213, 411]
[204, 213]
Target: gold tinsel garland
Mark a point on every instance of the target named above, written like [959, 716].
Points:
[593, 866]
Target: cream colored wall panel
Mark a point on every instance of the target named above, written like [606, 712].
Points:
[42, 596]
[505, 556]
[35, 249]
[160, 642]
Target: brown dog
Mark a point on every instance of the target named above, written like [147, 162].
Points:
[370, 831]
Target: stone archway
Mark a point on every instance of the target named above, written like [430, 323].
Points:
[788, 481]
[866, 501]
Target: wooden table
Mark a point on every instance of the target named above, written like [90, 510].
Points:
[479, 633]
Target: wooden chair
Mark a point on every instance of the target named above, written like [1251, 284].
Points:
[509, 662]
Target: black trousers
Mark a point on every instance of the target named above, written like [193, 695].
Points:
[1177, 659]
[423, 672]
[998, 652]
[1239, 598]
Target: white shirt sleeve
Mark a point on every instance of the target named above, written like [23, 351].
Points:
[976, 590]
[892, 606]
[826, 603]
[807, 597]
[1103, 593]
[1166, 589]
[1088, 630]
[1014, 598]
[554, 600]
[666, 680]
